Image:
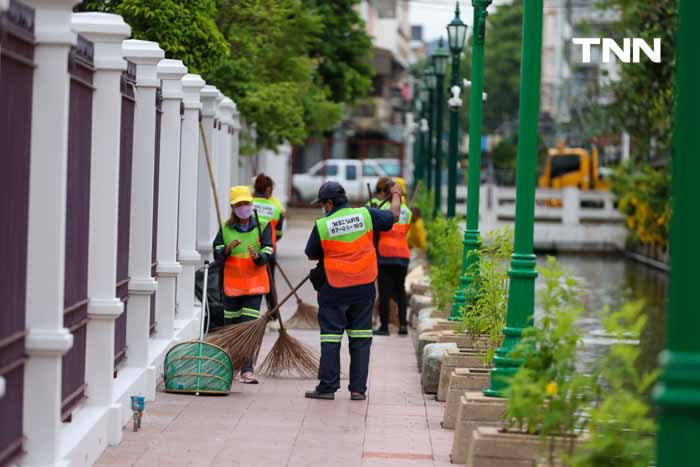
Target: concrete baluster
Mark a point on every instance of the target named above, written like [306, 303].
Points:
[571, 206]
[47, 340]
[188, 256]
[106, 31]
[146, 56]
[170, 72]
[226, 109]
[205, 200]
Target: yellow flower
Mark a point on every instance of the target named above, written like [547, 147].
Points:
[552, 389]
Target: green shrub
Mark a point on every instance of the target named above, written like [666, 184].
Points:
[547, 395]
[621, 431]
[445, 254]
[485, 313]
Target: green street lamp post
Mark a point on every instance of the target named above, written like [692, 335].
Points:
[456, 37]
[423, 96]
[678, 389]
[522, 273]
[440, 57]
[431, 80]
[417, 143]
[471, 242]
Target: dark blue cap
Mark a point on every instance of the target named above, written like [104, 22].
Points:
[329, 190]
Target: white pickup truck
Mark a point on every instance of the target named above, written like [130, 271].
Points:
[353, 174]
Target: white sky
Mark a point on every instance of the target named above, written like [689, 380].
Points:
[435, 14]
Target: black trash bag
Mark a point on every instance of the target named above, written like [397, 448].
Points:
[214, 293]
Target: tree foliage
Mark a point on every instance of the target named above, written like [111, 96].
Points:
[184, 29]
[342, 50]
[289, 65]
[501, 67]
[644, 94]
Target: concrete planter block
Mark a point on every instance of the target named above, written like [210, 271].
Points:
[474, 410]
[463, 340]
[492, 448]
[432, 362]
[418, 302]
[461, 380]
[457, 358]
[426, 325]
[424, 339]
[443, 324]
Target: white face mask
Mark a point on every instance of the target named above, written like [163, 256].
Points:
[323, 210]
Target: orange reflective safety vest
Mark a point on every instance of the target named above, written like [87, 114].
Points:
[394, 243]
[349, 257]
[270, 212]
[241, 275]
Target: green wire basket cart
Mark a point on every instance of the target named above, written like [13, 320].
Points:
[197, 367]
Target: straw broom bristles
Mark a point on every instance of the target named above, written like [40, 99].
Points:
[241, 341]
[289, 357]
[306, 315]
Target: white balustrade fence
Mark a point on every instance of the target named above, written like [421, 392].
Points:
[149, 224]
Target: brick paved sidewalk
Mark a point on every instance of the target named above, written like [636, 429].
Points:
[272, 424]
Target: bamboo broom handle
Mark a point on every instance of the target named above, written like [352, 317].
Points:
[285, 299]
[273, 288]
[286, 279]
[211, 173]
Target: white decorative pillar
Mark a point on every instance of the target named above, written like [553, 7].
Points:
[226, 109]
[205, 200]
[170, 72]
[217, 163]
[106, 31]
[146, 56]
[47, 340]
[187, 252]
[235, 145]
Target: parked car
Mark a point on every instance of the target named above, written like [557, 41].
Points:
[353, 174]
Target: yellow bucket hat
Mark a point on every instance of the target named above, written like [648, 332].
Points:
[401, 182]
[240, 193]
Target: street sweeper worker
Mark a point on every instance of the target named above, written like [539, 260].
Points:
[381, 191]
[245, 255]
[393, 256]
[343, 243]
[268, 212]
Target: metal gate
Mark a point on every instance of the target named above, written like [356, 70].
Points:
[128, 81]
[16, 72]
[80, 67]
[154, 238]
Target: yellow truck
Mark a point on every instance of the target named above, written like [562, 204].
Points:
[573, 167]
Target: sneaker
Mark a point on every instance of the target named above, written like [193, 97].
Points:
[248, 378]
[358, 396]
[381, 332]
[328, 396]
[403, 330]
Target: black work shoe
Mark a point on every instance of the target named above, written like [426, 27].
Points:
[358, 396]
[328, 396]
[381, 332]
[403, 330]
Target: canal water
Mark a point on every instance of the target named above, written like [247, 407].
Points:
[611, 280]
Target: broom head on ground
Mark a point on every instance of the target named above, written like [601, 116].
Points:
[289, 357]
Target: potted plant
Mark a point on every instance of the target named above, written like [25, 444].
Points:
[484, 316]
[547, 395]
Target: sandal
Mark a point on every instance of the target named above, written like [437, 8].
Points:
[248, 378]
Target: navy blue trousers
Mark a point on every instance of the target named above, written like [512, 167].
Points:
[335, 319]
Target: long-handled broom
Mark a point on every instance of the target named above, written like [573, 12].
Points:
[243, 341]
[306, 314]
